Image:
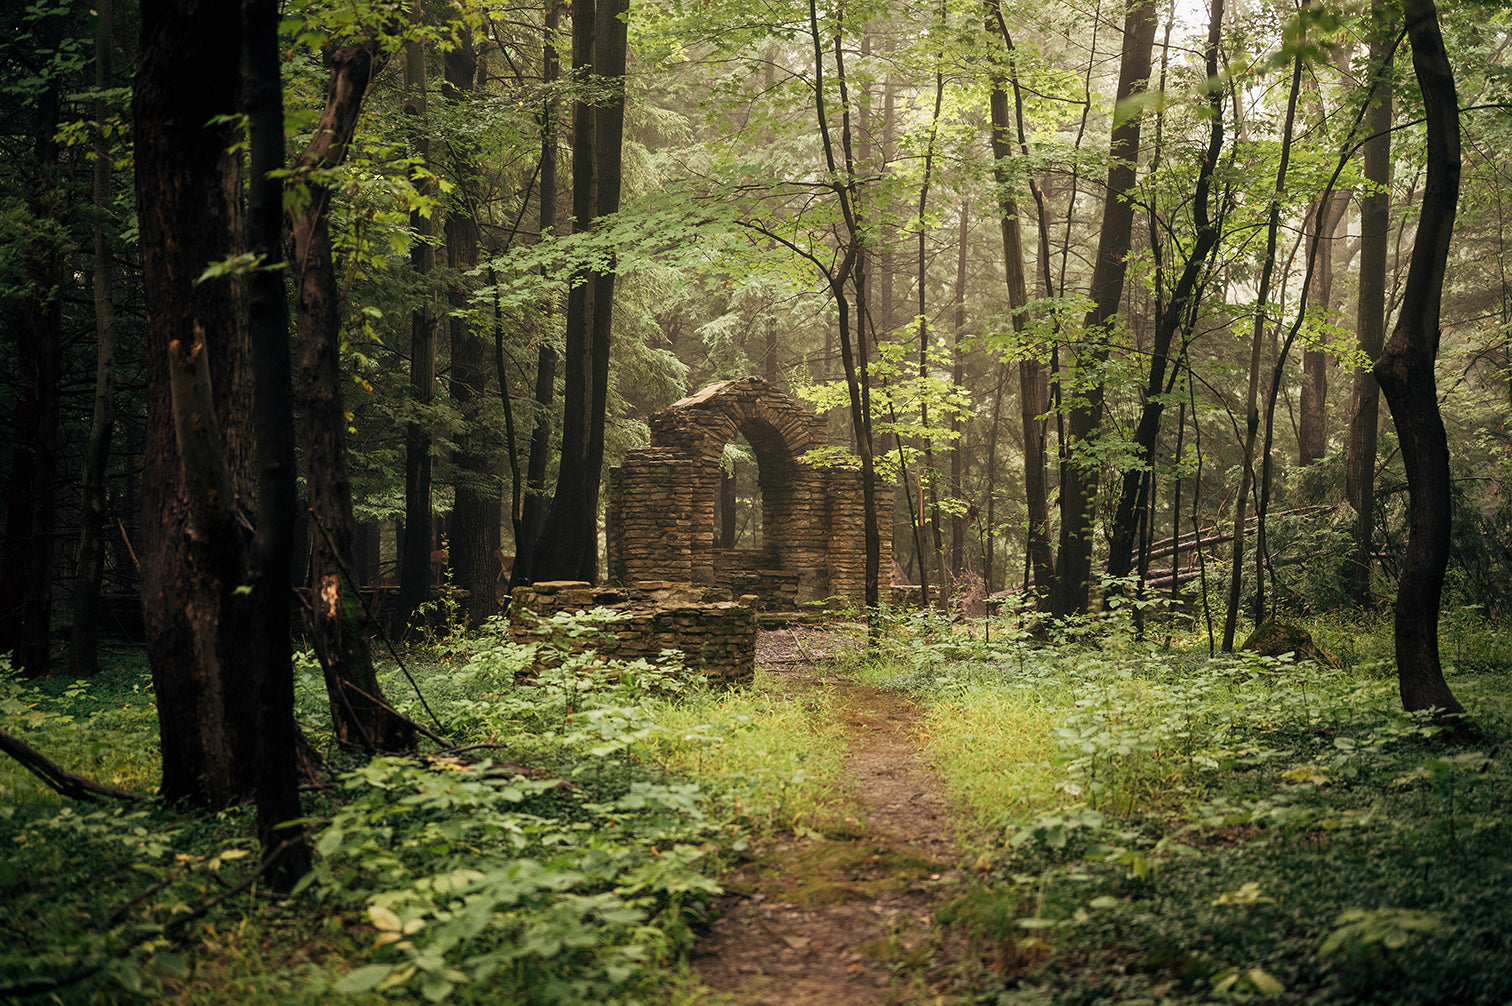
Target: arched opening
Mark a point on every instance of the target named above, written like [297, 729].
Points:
[738, 504]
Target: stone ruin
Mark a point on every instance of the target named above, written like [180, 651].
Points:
[676, 586]
[662, 502]
[716, 634]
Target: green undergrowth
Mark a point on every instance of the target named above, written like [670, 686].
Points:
[563, 853]
[1175, 828]
[1162, 826]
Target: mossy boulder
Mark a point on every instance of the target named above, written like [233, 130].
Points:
[1273, 638]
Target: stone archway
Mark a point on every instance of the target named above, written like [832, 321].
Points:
[662, 498]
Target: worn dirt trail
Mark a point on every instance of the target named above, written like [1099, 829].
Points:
[843, 920]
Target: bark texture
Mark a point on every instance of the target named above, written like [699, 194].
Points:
[187, 96]
[338, 621]
[1405, 370]
[1078, 498]
[568, 547]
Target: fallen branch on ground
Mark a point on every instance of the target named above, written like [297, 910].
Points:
[75, 787]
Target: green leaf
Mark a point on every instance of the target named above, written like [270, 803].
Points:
[384, 918]
[435, 988]
[236, 265]
[1264, 983]
[364, 979]
[329, 841]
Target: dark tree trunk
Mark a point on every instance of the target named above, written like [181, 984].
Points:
[1034, 388]
[83, 658]
[273, 422]
[529, 513]
[1405, 370]
[568, 548]
[1252, 411]
[1370, 324]
[185, 108]
[415, 552]
[858, 378]
[1181, 306]
[475, 492]
[338, 621]
[1079, 482]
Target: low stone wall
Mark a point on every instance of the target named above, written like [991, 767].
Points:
[716, 634]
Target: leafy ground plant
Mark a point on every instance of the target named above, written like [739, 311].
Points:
[562, 853]
[1218, 829]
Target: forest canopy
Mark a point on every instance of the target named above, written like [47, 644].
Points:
[1038, 241]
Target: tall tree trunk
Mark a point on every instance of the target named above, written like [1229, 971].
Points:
[1252, 412]
[83, 657]
[278, 802]
[885, 274]
[860, 381]
[1034, 388]
[1370, 323]
[1312, 429]
[1174, 313]
[928, 542]
[338, 621]
[1079, 483]
[989, 569]
[1405, 370]
[568, 547]
[530, 506]
[474, 492]
[195, 470]
[414, 556]
[958, 379]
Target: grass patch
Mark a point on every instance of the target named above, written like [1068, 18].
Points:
[995, 752]
[776, 755]
[104, 728]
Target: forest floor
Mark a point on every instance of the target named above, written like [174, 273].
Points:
[844, 918]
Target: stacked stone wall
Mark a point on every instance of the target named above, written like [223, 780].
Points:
[661, 502]
[716, 634]
[652, 517]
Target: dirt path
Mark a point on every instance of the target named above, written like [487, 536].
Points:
[842, 920]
